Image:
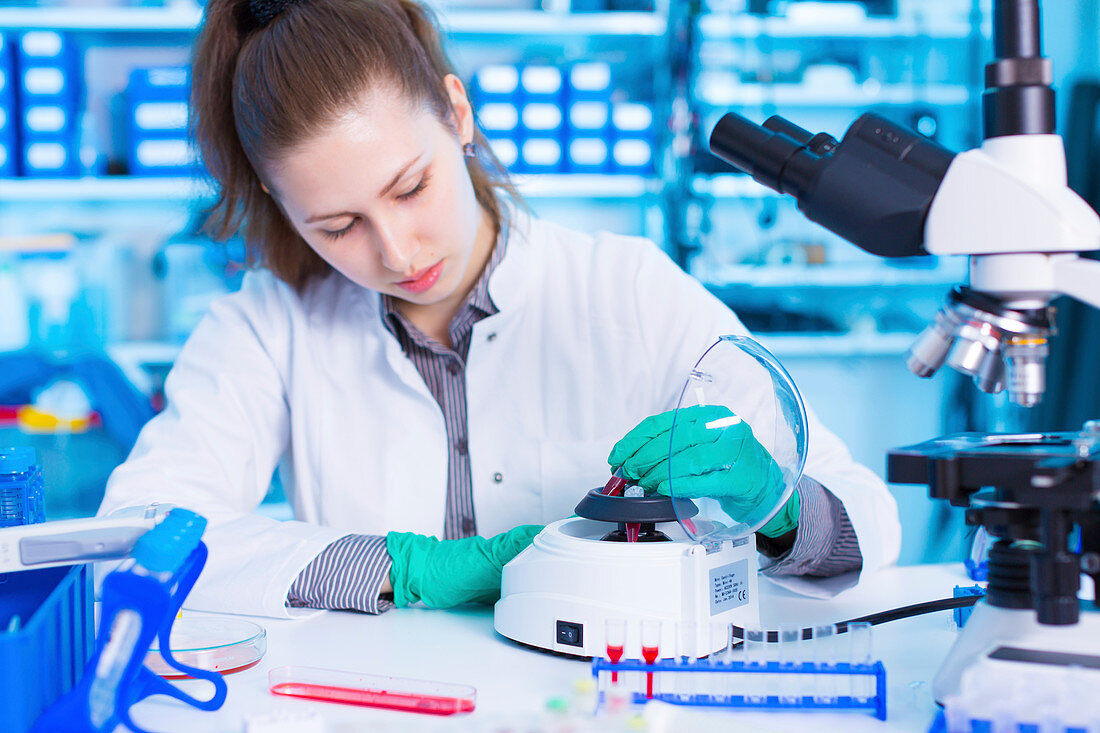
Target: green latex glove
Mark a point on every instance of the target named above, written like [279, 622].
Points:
[446, 573]
[727, 464]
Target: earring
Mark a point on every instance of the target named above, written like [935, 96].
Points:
[469, 150]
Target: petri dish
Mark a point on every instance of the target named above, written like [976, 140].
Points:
[224, 645]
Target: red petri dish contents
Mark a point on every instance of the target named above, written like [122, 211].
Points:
[406, 701]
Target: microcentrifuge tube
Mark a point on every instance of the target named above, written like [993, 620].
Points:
[666, 682]
[718, 684]
[688, 682]
[825, 656]
[615, 638]
[651, 639]
[755, 646]
[789, 658]
[859, 633]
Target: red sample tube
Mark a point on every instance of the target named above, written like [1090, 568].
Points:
[649, 654]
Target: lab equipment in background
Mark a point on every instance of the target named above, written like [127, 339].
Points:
[369, 690]
[156, 113]
[193, 279]
[1058, 697]
[49, 96]
[21, 489]
[1008, 207]
[1028, 491]
[541, 119]
[961, 615]
[820, 671]
[72, 541]
[140, 601]
[685, 561]
[222, 645]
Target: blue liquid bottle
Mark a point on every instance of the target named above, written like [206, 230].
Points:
[21, 487]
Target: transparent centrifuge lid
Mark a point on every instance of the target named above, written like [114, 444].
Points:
[737, 392]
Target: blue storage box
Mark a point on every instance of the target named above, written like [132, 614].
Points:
[160, 82]
[506, 150]
[495, 82]
[163, 156]
[49, 157]
[541, 155]
[157, 102]
[589, 118]
[498, 119]
[8, 156]
[48, 68]
[631, 119]
[542, 119]
[7, 73]
[589, 80]
[587, 155]
[541, 83]
[43, 653]
[21, 487]
[47, 121]
[632, 155]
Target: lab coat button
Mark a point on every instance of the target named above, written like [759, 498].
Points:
[453, 367]
[491, 337]
[498, 477]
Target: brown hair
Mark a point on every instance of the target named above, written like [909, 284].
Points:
[258, 91]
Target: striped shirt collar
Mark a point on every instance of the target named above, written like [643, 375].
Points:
[478, 303]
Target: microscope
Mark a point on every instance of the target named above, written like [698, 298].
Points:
[1007, 206]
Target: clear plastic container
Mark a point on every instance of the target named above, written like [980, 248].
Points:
[376, 691]
[745, 397]
[224, 645]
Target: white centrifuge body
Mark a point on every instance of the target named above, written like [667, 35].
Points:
[559, 592]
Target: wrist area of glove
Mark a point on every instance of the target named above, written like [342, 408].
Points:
[785, 520]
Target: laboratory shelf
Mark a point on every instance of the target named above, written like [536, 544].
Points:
[731, 186]
[107, 189]
[946, 273]
[745, 26]
[817, 345]
[173, 19]
[126, 189]
[183, 19]
[717, 91]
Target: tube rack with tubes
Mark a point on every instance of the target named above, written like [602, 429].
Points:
[773, 670]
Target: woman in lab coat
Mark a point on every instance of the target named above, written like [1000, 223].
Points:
[420, 358]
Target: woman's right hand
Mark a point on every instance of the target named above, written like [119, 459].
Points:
[447, 573]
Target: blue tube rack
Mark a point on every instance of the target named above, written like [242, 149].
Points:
[875, 703]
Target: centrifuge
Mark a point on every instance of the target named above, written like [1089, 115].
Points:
[674, 555]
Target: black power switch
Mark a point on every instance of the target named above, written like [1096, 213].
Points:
[570, 634]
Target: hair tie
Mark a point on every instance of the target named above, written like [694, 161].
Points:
[264, 11]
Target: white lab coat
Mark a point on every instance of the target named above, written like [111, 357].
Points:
[593, 334]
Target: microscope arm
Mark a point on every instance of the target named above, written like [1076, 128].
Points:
[1079, 278]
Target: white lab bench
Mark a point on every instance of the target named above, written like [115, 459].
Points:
[513, 682]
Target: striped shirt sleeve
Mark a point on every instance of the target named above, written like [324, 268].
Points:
[347, 576]
[825, 543]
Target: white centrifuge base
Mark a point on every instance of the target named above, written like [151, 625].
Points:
[559, 592]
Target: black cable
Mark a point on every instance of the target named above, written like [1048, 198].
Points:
[917, 609]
